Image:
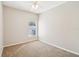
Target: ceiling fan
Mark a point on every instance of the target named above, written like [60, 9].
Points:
[35, 5]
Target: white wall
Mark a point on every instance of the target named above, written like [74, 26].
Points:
[60, 26]
[1, 30]
[16, 25]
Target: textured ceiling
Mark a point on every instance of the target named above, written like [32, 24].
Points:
[27, 5]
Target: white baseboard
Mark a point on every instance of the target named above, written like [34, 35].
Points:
[1, 50]
[61, 48]
[18, 43]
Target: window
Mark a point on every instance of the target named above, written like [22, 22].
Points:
[32, 28]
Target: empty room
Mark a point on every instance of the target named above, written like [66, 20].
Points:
[39, 28]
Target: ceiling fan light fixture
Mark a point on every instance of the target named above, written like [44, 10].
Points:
[35, 5]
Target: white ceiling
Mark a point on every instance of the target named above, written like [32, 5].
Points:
[27, 5]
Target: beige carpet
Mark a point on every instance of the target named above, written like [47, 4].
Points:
[35, 49]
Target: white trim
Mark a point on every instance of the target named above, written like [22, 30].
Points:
[61, 48]
[19, 43]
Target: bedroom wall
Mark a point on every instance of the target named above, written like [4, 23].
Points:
[1, 29]
[60, 26]
[16, 25]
